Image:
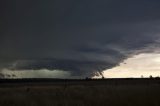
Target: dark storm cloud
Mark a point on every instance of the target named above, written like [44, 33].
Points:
[78, 36]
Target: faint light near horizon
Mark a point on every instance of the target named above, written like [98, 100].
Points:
[145, 64]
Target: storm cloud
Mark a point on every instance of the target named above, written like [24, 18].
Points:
[82, 36]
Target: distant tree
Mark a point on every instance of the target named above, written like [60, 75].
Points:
[142, 76]
[150, 76]
[87, 78]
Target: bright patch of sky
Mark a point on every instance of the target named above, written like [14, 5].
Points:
[139, 65]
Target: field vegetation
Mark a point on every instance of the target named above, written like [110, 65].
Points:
[81, 93]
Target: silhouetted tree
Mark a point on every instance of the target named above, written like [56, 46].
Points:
[150, 76]
[142, 76]
[87, 78]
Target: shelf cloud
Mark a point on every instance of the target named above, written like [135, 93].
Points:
[82, 37]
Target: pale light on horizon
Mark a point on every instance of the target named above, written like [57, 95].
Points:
[145, 64]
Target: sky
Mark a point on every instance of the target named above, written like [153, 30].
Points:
[142, 65]
[76, 39]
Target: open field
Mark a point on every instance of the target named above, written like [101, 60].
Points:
[109, 92]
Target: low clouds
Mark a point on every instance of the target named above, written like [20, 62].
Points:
[80, 37]
[42, 73]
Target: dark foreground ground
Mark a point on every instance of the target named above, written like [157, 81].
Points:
[54, 92]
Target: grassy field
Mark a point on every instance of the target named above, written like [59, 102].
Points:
[82, 93]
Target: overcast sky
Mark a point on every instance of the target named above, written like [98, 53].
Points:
[80, 37]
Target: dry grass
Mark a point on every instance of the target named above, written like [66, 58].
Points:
[81, 95]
